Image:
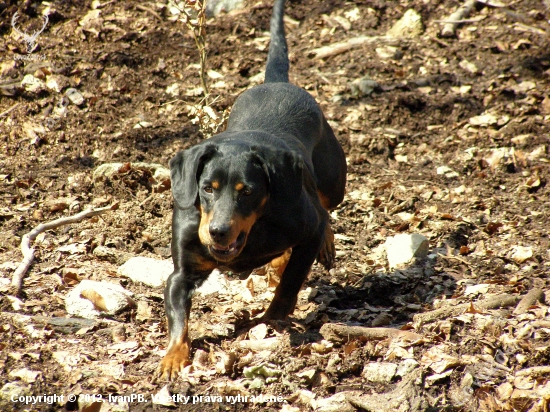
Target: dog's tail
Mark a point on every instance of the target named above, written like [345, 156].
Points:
[277, 58]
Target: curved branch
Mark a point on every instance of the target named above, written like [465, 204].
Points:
[28, 251]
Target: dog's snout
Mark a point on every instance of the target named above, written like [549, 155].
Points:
[219, 231]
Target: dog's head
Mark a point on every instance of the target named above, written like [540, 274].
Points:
[233, 185]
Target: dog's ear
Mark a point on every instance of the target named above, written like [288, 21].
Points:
[185, 170]
[284, 170]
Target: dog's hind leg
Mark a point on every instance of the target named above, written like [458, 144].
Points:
[297, 269]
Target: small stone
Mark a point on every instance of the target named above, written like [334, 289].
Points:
[406, 367]
[389, 52]
[469, 66]
[382, 372]
[74, 96]
[335, 403]
[403, 247]
[363, 87]
[447, 172]
[216, 283]
[522, 253]
[149, 271]
[410, 25]
[13, 390]
[89, 299]
[215, 7]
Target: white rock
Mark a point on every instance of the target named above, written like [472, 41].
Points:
[14, 390]
[32, 84]
[26, 375]
[406, 367]
[382, 372]
[410, 25]
[149, 271]
[480, 289]
[522, 253]
[74, 96]
[216, 282]
[403, 247]
[446, 171]
[469, 66]
[388, 52]
[215, 7]
[89, 299]
[336, 403]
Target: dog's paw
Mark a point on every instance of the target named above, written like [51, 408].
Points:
[173, 363]
[327, 254]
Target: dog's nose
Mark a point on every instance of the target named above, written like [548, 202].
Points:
[219, 231]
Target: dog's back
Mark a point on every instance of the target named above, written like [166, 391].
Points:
[292, 117]
[278, 106]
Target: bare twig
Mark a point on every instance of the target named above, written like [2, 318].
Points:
[464, 21]
[455, 18]
[525, 27]
[341, 333]
[148, 10]
[534, 296]
[342, 47]
[499, 301]
[454, 258]
[534, 371]
[194, 16]
[28, 252]
[5, 112]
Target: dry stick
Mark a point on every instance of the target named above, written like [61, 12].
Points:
[340, 333]
[534, 371]
[148, 10]
[342, 47]
[9, 110]
[499, 301]
[455, 18]
[28, 252]
[198, 29]
[531, 298]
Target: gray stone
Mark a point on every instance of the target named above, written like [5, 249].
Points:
[149, 271]
[406, 367]
[380, 372]
[402, 248]
[89, 299]
[74, 96]
[215, 7]
[216, 282]
[410, 25]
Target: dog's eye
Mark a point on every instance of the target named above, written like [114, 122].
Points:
[208, 189]
[247, 191]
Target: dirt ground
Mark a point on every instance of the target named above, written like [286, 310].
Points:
[451, 141]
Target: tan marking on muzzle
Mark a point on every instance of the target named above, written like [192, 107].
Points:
[204, 227]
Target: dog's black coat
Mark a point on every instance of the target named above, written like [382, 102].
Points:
[245, 196]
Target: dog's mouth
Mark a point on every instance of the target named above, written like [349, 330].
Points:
[226, 253]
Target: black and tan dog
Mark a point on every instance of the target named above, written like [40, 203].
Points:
[247, 195]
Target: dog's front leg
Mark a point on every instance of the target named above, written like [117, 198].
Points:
[292, 279]
[177, 301]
